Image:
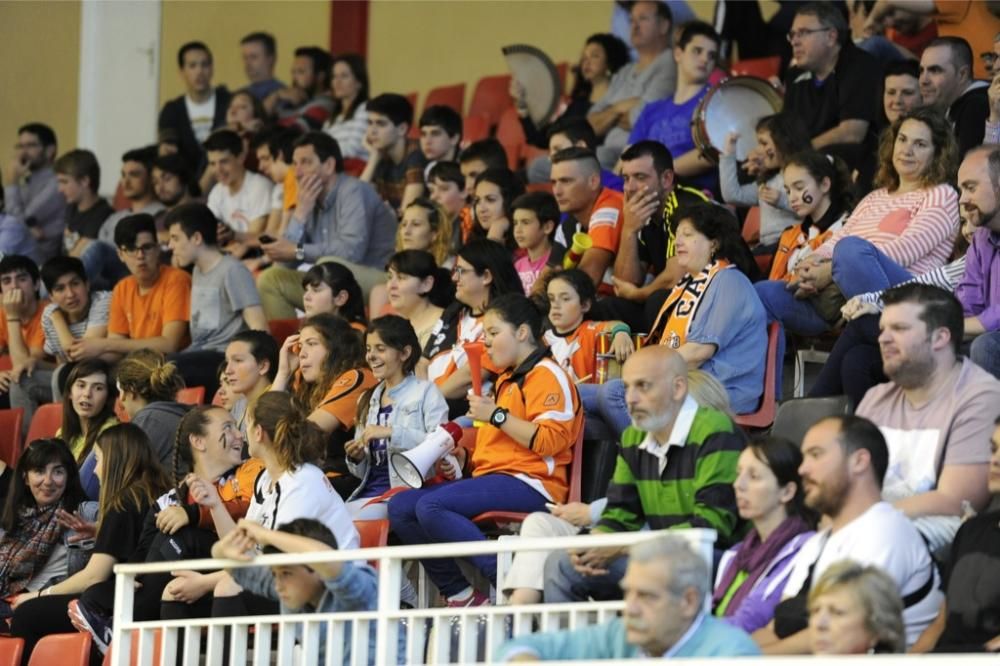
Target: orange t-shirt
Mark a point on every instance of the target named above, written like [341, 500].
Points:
[291, 191]
[341, 401]
[139, 316]
[547, 398]
[604, 228]
[236, 492]
[31, 330]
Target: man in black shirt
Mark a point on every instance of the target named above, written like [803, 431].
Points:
[653, 200]
[79, 178]
[946, 83]
[833, 85]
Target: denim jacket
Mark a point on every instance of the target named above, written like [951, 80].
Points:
[417, 409]
[355, 589]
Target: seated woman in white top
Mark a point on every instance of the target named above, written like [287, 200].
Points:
[349, 119]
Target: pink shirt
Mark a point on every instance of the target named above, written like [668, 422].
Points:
[529, 270]
[916, 230]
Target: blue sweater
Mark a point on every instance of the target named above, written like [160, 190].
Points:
[713, 638]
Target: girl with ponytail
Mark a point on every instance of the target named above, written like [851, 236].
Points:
[821, 195]
[290, 487]
[214, 489]
[148, 385]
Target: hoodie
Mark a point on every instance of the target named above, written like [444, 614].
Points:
[159, 421]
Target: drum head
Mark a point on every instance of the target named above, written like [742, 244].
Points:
[540, 78]
[735, 105]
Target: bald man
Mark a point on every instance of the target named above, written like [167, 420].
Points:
[590, 209]
[676, 467]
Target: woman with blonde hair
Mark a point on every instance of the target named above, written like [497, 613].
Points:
[425, 226]
[131, 480]
[855, 609]
[148, 386]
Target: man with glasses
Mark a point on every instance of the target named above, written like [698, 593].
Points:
[832, 85]
[104, 268]
[149, 308]
[30, 188]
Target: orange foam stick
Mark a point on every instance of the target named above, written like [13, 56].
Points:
[474, 352]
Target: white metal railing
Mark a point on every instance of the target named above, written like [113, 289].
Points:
[431, 635]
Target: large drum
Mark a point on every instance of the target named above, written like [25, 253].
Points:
[735, 105]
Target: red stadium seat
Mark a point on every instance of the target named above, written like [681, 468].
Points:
[453, 96]
[491, 98]
[282, 328]
[10, 651]
[192, 395]
[10, 434]
[763, 68]
[46, 421]
[502, 522]
[62, 649]
[373, 533]
[475, 128]
[764, 416]
[353, 166]
[510, 134]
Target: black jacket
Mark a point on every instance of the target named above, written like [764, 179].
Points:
[174, 116]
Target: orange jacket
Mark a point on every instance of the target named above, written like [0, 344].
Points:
[538, 391]
[791, 240]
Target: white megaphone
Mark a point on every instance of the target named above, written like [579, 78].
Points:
[412, 466]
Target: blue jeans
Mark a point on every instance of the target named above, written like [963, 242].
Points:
[985, 352]
[565, 584]
[441, 514]
[860, 267]
[795, 315]
[605, 409]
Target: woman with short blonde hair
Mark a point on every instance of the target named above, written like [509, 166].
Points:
[855, 609]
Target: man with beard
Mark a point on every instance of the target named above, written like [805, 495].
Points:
[936, 412]
[307, 102]
[171, 183]
[31, 192]
[979, 289]
[675, 469]
[844, 461]
[665, 615]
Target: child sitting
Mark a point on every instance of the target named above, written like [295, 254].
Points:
[327, 587]
[536, 217]
[572, 339]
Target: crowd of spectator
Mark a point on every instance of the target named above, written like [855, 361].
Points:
[605, 292]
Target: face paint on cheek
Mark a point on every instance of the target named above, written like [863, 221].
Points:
[807, 198]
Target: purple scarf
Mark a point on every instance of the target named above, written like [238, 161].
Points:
[755, 557]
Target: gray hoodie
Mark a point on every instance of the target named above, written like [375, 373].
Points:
[159, 421]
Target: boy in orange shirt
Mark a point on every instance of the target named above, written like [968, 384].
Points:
[149, 308]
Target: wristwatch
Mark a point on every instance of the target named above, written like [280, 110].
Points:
[300, 252]
[498, 417]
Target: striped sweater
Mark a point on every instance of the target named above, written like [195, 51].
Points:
[695, 488]
[916, 230]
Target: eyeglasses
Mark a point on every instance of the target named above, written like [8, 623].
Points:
[989, 58]
[458, 271]
[143, 249]
[803, 33]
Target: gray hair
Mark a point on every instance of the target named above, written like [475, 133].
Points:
[687, 568]
[877, 593]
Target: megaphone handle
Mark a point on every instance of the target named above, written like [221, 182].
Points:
[453, 461]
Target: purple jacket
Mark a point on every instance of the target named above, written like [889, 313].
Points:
[757, 608]
[979, 288]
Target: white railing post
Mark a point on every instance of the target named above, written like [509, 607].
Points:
[123, 613]
[390, 579]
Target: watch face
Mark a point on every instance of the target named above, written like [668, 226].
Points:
[500, 418]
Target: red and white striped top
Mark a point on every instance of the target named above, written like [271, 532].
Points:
[916, 230]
